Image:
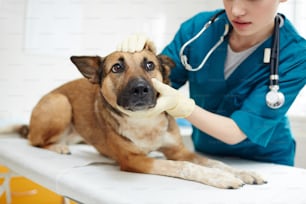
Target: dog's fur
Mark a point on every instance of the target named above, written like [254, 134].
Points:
[89, 107]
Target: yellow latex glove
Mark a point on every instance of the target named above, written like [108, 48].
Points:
[170, 100]
[136, 43]
[173, 101]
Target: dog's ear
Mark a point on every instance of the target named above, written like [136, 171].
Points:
[89, 66]
[166, 65]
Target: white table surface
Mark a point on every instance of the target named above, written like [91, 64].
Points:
[89, 178]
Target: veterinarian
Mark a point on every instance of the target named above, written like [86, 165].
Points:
[239, 93]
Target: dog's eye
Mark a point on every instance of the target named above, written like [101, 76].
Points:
[117, 68]
[149, 66]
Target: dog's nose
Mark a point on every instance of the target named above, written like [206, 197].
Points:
[140, 90]
[138, 94]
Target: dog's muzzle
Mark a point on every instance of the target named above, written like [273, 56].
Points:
[137, 95]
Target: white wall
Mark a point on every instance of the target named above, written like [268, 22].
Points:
[37, 37]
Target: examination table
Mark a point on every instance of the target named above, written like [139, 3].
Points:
[89, 178]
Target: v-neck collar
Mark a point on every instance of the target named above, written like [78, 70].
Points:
[249, 66]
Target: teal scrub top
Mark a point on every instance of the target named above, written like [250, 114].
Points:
[242, 95]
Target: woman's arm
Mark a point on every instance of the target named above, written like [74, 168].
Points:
[176, 104]
[220, 127]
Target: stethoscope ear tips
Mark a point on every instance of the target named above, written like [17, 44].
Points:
[274, 98]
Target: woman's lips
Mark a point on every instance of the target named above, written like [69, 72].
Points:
[240, 24]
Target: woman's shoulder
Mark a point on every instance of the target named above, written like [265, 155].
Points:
[292, 46]
[206, 14]
[291, 36]
[194, 24]
[200, 18]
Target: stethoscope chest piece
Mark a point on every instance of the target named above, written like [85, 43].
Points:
[274, 98]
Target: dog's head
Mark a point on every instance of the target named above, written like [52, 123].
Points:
[125, 77]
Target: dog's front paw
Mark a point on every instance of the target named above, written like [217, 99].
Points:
[59, 148]
[228, 183]
[249, 177]
[222, 179]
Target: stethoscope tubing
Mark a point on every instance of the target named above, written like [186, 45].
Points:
[184, 59]
[275, 54]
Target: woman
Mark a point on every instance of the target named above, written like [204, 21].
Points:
[231, 117]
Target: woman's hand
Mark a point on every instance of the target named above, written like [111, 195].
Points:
[135, 43]
[173, 101]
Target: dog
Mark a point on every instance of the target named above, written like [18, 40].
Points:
[89, 108]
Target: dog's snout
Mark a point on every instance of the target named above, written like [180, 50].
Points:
[140, 90]
[138, 94]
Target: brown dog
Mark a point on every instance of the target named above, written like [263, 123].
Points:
[89, 107]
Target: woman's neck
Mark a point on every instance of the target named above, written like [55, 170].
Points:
[240, 43]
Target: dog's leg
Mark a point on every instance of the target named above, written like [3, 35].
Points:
[181, 153]
[50, 119]
[180, 169]
[248, 177]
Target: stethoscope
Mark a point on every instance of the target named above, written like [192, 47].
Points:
[274, 98]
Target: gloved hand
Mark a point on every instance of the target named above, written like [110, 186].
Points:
[170, 100]
[173, 101]
[136, 43]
